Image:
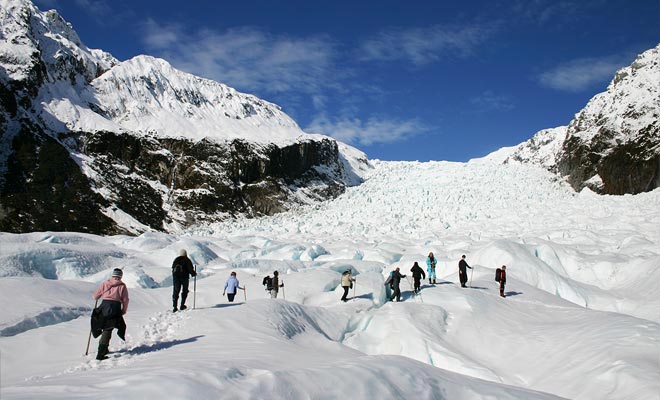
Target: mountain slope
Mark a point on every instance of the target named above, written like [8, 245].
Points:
[612, 145]
[138, 145]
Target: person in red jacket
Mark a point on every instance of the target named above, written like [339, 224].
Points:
[503, 281]
[109, 314]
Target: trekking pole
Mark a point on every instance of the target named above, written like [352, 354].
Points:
[245, 293]
[89, 338]
[194, 286]
[471, 273]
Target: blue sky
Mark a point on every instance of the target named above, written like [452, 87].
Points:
[400, 80]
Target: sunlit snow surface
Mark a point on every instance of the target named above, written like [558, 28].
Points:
[581, 320]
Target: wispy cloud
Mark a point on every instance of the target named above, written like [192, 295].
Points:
[425, 45]
[557, 12]
[583, 73]
[247, 58]
[98, 8]
[490, 101]
[373, 131]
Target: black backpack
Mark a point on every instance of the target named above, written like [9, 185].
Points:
[268, 282]
[498, 274]
[178, 268]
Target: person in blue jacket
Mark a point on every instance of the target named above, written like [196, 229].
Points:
[431, 263]
[230, 287]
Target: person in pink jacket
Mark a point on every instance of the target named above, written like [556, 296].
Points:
[109, 314]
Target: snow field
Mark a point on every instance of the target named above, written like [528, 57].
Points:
[580, 321]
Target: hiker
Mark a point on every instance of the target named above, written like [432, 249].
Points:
[109, 314]
[431, 262]
[502, 280]
[418, 274]
[230, 287]
[346, 283]
[396, 280]
[182, 268]
[276, 285]
[462, 271]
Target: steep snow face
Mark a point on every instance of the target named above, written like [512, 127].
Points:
[31, 35]
[146, 95]
[630, 103]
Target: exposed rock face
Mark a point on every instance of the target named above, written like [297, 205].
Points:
[91, 144]
[613, 145]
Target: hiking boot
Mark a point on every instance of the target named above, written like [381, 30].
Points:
[102, 353]
[183, 307]
[175, 309]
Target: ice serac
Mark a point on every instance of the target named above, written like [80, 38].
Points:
[92, 144]
[613, 144]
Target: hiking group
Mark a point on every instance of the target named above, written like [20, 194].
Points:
[113, 293]
[394, 279]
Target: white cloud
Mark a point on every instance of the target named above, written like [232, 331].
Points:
[490, 101]
[247, 58]
[373, 131]
[425, 45]
[583, 73]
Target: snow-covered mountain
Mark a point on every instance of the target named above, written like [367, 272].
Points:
[139, 145]
[612, 145]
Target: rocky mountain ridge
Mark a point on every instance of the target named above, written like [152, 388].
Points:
[612, 146]
[92, 144]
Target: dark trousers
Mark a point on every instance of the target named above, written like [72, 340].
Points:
[417, 283]
[396, 293]
[463, 277]
[343, 298]
[502, 284]
[179, 285]
[230, 297]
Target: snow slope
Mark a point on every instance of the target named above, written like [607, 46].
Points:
[581, 319]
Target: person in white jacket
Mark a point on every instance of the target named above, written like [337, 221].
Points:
[346, 283]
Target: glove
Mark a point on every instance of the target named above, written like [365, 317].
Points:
[194, 273]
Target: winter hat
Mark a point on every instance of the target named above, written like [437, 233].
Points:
[183, 253]
[117, 273]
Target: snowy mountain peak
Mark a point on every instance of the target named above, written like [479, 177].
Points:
[612, 145]
[31, 36]
[148, 95]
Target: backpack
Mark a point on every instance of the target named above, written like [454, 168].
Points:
[498, 274]
[268, 282]
[178, 269]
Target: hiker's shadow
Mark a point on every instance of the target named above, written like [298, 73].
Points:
[161, 345]
[225, 305]
[478, 287]
[509, 294]
[368, 296]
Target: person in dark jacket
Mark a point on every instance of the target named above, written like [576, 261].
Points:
[182, 269]
[396, 281]
[503, 281]
[109, 315]
[462, 271]
[276, 285]
[418, 274]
